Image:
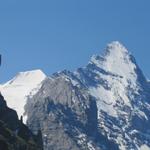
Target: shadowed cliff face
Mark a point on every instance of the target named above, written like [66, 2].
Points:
[14, 135]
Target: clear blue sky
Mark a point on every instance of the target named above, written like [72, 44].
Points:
[63, 34]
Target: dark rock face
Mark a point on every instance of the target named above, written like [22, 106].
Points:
[8, 115]
[14, 135]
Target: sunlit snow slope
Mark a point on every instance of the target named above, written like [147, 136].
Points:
[22, 85]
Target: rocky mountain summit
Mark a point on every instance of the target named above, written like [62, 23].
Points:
[102, 106]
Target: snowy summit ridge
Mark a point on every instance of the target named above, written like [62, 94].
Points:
[116, 59]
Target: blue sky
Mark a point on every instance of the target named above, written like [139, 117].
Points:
[53, 35]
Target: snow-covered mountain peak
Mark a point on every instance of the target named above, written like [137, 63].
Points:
[110, 76]
[120, 89]
[27, 77]
[116, 60]
[117, 46]
[17, 90]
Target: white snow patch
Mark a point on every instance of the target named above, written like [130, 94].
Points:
[144, 147]
[74, 82]
[148, 80]
[90, 146]
[120, 142]
[105, 100]
[141, 114]
[82, 140]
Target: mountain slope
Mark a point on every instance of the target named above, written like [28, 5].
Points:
[66, 115]
[17, 90]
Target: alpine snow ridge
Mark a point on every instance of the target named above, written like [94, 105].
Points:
[102, 106]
